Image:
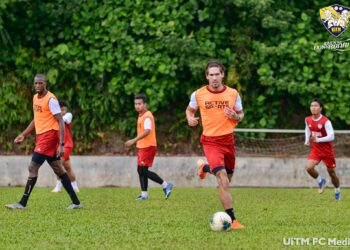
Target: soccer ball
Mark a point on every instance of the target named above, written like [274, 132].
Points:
[220, 221]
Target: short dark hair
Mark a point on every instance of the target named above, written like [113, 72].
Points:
[41, 76]
[63, 104]
[141, 97]
[214, 64]
[318, 100]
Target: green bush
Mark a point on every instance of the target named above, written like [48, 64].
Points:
[98, 55]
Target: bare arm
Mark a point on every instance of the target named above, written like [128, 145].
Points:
[190, 115]
[137, 138]
[27, 131]
[59, 118]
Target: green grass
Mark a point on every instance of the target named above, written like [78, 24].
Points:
[112, 219]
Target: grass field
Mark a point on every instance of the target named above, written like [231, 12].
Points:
[112, 219]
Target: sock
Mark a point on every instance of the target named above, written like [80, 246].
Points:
[206, 168]
[319, 178]
[59, 184]
[154, 177]
[74, 184]
[164, 184]
[28, 189]
[143, 178]
[337, 190]
[144, 194]
[230, 213]
[68, 187]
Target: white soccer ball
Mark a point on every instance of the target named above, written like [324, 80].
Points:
[220, 221]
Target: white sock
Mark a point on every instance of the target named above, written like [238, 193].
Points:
[59, 184]
[319, 178]
[75, 184]
[144, 194]
[337, 190]
[164, 184]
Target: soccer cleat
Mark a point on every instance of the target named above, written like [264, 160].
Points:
[167, 190]
[321, 185]
[337, 196]
[75, 206]
[15, 206]
[201, 173]
[142, 198]
[236, 225]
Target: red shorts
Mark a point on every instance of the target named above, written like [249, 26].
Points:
[47, 143]
[145, 156]
[328, 160]
[219, 151]
[67, 152]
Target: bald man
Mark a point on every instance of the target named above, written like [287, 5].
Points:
[49, 127]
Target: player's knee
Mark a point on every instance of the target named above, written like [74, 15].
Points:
[67, 167]
[224, 184]
[141, 170]
[331, 172]
[223, 180]
[33, 170]
[64, 163]
[57, 168]
[59, 171]
[308, 167]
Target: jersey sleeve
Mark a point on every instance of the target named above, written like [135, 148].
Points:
[67, 118]
[330, 133]
[238, 105]
[54, 106]
[147, 124]
[193, 101]
[307, 133]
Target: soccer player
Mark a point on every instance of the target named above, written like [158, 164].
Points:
[319, 130]
[68, 147]
[146, 145]
[221, 109]
[49, 128]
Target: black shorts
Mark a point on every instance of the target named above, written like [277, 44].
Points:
[39, 158]
[217, 169]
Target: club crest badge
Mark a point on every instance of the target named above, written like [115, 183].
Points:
[319, 126]
[335, 18]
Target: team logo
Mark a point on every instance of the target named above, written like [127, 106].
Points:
[319, 126]
[37, 108]
[335, 18]
[216, 104]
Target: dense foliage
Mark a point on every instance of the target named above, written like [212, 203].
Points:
[97, 55]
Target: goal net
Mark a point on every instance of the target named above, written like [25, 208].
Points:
[283, 142]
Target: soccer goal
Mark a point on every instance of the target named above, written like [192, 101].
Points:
[283, 142]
